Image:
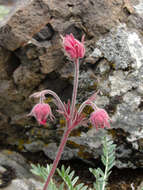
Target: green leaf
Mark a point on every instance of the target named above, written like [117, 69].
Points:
[75, 180]
[103, 160]
[100, 172]
[112, 154]
[94, 172]
[70, 180]
[84, 188]
[44, 172]
[108, 159]
[79, 186]
[71, 175]
[111, 166]
[108, 174]
[61, 186]
[112, 158]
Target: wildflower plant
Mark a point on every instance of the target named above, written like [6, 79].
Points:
[69, 178]
[41, 111]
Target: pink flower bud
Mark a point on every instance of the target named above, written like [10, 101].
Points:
[73, 47]
[41, 111]
[100, 118]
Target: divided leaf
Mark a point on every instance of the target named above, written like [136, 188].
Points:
[70, 180]
[108, 160]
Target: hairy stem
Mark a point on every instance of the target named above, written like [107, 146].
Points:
[84, 104]
[58, 156]
[74, 94]
[44, 92]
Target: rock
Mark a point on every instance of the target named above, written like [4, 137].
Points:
[101, 101]
[122, 85]
[119, 83]
[96, 54]
[32, 59]
[23, 77]
[15, 172]
[4, 63]
[86, 81]
[103, 67]
[16, 162]
[34, 146]
[132, 100]
[51, 151]
[24, 23]
[24, 184]
[127, 43]
[2, 169]
[91, 24]
[139, 7]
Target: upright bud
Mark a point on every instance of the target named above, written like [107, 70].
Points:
[100, 118]
[41, 111]
[73, 47]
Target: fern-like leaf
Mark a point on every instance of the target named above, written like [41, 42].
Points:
[108, 160]
[70, 180]
[44, 172]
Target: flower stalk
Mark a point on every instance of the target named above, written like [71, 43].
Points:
[75, 87]
[73, 117]
[58, 156]
[69, 125]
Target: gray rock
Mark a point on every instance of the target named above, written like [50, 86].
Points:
[52, 149]
[24, 184]
[16, 162]
[103, 67]
[119, 83]
[132, 100]
[34, 146]
[124, 51]
[126, 119]
[101, 101]
[139, 7]
[20, 170]
[2, 169]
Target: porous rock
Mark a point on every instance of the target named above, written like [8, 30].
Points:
[32, 59]
[23, 24]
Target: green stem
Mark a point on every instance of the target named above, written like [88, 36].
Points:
[106, 171]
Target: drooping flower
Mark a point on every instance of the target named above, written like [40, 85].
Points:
[100, 118]
[74, 48]
[41, 111]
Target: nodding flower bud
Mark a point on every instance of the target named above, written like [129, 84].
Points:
[100, 118]
[41, 111]
[73, 47]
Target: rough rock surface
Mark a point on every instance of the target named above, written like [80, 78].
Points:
[32, 59]
[15, 172]
[17, 30]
